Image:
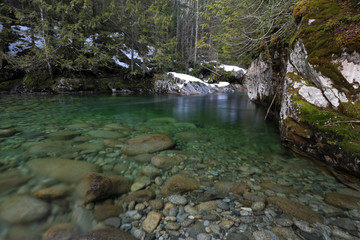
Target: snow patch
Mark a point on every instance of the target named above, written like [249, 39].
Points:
[1, 27]
[311, 21]
[24, 42]
[122, 64]
[229, 68]
[186, 78]
[220, 84]
[127, 52]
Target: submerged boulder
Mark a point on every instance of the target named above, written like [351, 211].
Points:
[147, 144]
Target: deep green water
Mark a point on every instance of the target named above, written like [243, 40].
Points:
[236, 145]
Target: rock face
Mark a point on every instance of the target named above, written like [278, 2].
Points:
[23, 209]
[147, 144]
[318, 100]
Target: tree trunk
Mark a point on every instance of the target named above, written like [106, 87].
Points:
[196, 31]
[46, 49]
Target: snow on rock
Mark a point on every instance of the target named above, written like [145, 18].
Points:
[122, 64]
[183, 84]
[314, 96]
[349, 66]
[229, 68]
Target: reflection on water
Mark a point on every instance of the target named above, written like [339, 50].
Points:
[220, 137]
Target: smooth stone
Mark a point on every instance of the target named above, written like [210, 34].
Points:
[237, 236]
[102, 212]
[114, 222]
[137, 186]
[120, 167]
[226, 224]
[140, 206]
[172, 226]
[261, 235]
[341, 200]
[79, 125]
[179, 184]
[113, 143]
[51, 193]
[105, 134]
[11, 179]
[345, 223]
[285, 233]
[203, 236]
[150, 171]
[295, 209]
[341, 234]
[189, 136]
[278, 188]
[147, 144]
[191, 210]
[177, 199]
[284, 222]
[64, 231]
[195, 229]
[142, 158]
[257, 206]
[97, 186]
[164, 162]
[151, 221]
[45, 148]
[106, 234]
[89, 147]
[224, 188]
[69, 171]
[157, 204]
[223, 205]
[23, 209]
[206, 206]
[116, 126]
[139, 196]
[62, 135]
[7, 132]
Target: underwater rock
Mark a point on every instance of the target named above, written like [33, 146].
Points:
[139, 196]
[151, 221]
[51, 193]
[147, 144]
[179, 184]
[277, 188]
[224, 188]
[62, 135]
[342, 200]
[45, 148]
[11, 179]
[164, 162]
[96, 186]
[7, 132]
[189, 136]
[64, 231]
[23, 209]
[295, 209]
[65, 170]
[106, 234]
[102, 212]
[106, 134]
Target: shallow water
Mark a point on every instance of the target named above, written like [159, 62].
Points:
[235, 143]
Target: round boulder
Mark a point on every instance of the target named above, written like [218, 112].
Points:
[147, 144]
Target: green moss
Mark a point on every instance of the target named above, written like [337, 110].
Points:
[351, 110]
[294, 76]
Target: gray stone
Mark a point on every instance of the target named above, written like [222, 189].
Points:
[237, 236]
[147, 144]
[177, 199]
[223, 205]
[196, 229]
[203, 236]
[258, 206]
[105, 134]
[112, 222]
[23, 209]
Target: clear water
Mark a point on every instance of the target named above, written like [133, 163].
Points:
[240, 145]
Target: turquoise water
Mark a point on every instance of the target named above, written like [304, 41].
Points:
[233, 142]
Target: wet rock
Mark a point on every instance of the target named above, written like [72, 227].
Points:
[150, 171]
[63, 231]
[341, 200]
[206, 206]
[51, 193]
[261, 235]
[139, 196]
[151, 221]
[117, 126]
[196, 229]
[113, 143]
[179, 184]
[237, 236]
[105, 134]
[78, 126]
[157, 204]
[89, 147]
[177, 199]
[172, 226]
[277, 188]
[284, 222]
[285, 233]
[46, 148]
[114, 222]
[62, 135]
[224, 188]
[23, 209]
[345, 223]
[102, 212]
[69, 171]
[203, 236]
[341, 234]
[7, 132]
[164, 162]
[295, 209]
[189, 136]
[120, 167]
[147, 144]
[142, 158]
[106, 234]
[257, 206]
[140, 183]
[11, 179]
[226, 224]
[96, 186]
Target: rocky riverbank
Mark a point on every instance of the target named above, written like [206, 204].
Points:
[164, 179]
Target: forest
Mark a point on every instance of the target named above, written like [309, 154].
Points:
[138, 37]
